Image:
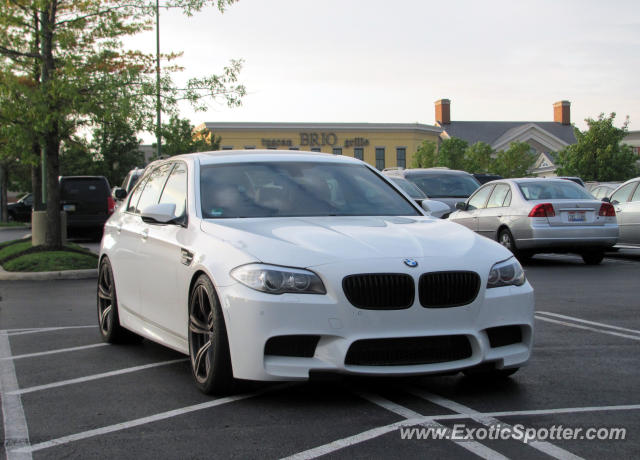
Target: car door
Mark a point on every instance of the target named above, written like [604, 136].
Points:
[624, 212]
[490, 217]
[165, 252]
[632, 218]
[469, 216]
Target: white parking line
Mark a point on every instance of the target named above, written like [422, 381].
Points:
[53, 352]
[593, 323]
[543, 446]
[16, 433]
[382, 430]
[45, 329]
[94, 377]
[142, 421]
[474, 447]
[587, 328]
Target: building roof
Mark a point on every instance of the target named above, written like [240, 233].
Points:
[262, 126]
[491, 131]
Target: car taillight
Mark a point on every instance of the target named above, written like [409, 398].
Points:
[111, 205]
[607, 210]
[542, 210]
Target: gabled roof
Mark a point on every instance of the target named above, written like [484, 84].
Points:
[491, 131]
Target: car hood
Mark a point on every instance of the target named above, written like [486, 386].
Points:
[312, 241]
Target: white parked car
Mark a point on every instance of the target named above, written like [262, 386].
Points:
[267, 265]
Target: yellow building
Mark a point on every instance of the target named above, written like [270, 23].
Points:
[383, 145]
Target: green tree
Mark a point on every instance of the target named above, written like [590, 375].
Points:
[516, 161]
[426, 156]
[180, 136]
[116, 151]
[478, 158]
[67, 58]
[598, 154]
[451, 153]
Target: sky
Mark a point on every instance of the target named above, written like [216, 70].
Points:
[388, 61]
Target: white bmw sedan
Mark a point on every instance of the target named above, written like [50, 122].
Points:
[267, 265]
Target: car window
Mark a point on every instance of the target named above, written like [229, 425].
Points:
[85, 189]
[498, 196]
[597, 192]
[153, 187]
[28, 200]
[478, 200]
[291, 188]
[175, 190]
[507, 199]
[636, 194]
[622, 195]
[445, 185]
[134, 197]
[126, 180]
[409, 188]
[553, 190]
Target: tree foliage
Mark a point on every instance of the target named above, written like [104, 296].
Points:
[478, 158]
[599, 154]
[180, 136]
[64, 63]
[516, 161]
[451, 153]
[426, 156]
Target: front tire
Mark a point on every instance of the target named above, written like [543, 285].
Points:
[108, 319]
[208, 344]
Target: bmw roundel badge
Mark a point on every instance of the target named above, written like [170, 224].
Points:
[410, 263]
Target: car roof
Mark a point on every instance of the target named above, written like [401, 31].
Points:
[425, 171]
[254, 155]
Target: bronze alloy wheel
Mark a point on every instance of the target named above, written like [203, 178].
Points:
[208, 346]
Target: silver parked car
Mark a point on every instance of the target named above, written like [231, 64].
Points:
[626, 200]
[531, 216]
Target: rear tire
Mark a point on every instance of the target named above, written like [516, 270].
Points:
[208, 344]
[108, 319]
[593, 257]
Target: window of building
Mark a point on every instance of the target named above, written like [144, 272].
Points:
[249, 147]
[380, 158]
[358, 153]
[227, 147]
[316, 149]
[401, 157]
[294, 148]
[337, 150]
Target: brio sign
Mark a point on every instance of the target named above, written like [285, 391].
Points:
[318, 139]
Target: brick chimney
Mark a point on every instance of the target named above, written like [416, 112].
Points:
[443, 111]
[562, 112]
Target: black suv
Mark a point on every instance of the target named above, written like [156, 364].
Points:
[87, 201]
[20, 211]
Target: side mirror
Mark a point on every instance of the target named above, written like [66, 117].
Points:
[162, 213]
[461, 206]
[118, 194]
[435, 208]
[606, 199]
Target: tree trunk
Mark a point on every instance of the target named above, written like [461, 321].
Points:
[36, 182]
[4, 216]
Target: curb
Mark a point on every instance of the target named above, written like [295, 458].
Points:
[17, 227]
[41, 276]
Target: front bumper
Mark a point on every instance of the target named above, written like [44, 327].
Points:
[252, 318]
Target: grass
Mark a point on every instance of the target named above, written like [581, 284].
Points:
[21, 256]
[13, 224]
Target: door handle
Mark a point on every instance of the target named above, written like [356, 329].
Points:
[145, 234]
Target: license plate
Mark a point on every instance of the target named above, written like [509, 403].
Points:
[69, 207]
[577, 216]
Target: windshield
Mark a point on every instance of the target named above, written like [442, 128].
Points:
[445, 185]
[409, 187]
[270, 189]
[556, 190]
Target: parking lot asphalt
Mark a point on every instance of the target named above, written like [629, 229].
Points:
[65, 394]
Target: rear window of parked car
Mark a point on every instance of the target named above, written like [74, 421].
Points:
[85, 189]
[553, 191]
[445, 185]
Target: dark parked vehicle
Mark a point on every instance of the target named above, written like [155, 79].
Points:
[484, 178]
[87, 201]
[20, 211]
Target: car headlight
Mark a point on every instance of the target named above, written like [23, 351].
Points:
[278, 280]
[506, 273]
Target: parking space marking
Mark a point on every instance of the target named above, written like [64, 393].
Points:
[16, 433]
[593, 323]
[425, 421]
[587, 328]
[44, 329]
[472, 446]
[88, 378]
[543, 446]
[53, 352]
[143, 420]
